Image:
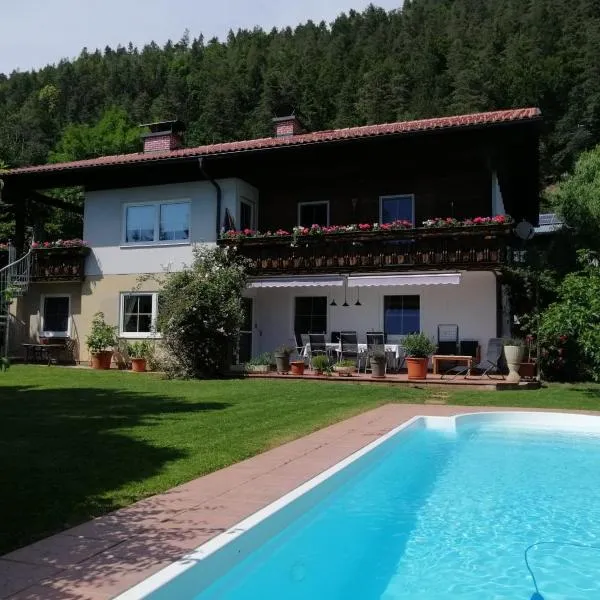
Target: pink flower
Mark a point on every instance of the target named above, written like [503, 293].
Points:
[35, 245]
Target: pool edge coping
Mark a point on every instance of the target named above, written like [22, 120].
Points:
[154, 582]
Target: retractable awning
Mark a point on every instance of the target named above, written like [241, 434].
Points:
[284, 282]
[405, 279]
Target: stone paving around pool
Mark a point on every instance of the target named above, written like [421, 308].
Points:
[102, 558]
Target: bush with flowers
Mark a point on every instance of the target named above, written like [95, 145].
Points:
[569, 328]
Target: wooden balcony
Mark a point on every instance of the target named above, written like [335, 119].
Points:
[478, 247]
[58, 264]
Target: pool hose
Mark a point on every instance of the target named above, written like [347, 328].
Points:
[537, 594]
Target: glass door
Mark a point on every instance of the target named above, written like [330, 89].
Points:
[244, 353]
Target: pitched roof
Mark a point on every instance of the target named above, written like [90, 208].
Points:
[401, 127]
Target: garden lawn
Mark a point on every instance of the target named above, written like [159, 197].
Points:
[76, 443]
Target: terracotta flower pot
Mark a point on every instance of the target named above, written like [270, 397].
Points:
[102, 360]
[417, 368]
[138, 365]
[527, 370]
[297, 367]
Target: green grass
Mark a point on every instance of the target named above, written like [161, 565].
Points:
[75, 443]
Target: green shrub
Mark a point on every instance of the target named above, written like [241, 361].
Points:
[418, 345]
[141, 349]
[266, 358]
[102, 336]
[569, 329]
[346, 363]
[201, 312]
[320, 362]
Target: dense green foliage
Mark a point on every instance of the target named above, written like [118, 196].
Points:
[569, 328]
[432, 57]
[201, 314]
[577, 199]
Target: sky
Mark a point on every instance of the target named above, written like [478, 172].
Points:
[34, 33]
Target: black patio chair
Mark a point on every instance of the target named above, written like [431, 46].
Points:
[491, 363]
[335, 337]
[447, 348]
[349, 347]
[317, 345]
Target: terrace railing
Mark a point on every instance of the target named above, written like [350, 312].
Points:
[58, 264]
[478, 247]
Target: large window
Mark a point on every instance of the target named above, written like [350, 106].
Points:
[56, 316]
[313, 213]
[401, 315]
[138, 314]
[311, 314]
[157, 222]
[397, 208]
[246, 215]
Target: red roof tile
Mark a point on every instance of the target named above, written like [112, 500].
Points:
[459, 121]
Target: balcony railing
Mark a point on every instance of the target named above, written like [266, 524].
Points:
[477, 247]
[59, 264]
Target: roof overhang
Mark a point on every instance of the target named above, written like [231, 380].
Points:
[404, 279]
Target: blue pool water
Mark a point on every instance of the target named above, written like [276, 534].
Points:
[436, 516]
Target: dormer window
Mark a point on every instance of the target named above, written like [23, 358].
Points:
[157, 222]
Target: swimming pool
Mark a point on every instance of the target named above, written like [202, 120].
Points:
[441, 508]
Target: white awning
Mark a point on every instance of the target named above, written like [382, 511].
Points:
[405, 279]
[278, 282]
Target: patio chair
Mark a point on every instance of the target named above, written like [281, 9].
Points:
[349, 343]
[489, 365]
[317, 345]
[375, 344]
[447, 348]
[335, 337]
[396, 338]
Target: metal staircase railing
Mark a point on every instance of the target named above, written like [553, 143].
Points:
[14, 282]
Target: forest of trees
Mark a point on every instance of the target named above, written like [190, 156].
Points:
[433, 57]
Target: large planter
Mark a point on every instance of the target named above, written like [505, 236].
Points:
[282, 360]
[417, 367]
[514, 356]
[138, 365]
[527, 370]
[102, 360]
[377, 367]
[297, 367]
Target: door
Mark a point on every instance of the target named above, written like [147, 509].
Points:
[245, 342]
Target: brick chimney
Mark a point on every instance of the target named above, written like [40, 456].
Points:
[286, 126]
[163, 136]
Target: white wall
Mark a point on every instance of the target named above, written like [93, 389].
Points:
[471, 305]
[103, 225]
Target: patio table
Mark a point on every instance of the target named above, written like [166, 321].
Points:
[395, 349]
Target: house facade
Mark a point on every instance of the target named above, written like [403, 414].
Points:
[398, 227]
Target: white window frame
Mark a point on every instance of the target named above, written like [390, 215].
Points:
[388, 196]
[55, 334]
[156, 242]
[301, 204]
[138, 334]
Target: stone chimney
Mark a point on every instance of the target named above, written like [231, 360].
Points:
[286, 126]
[163, 136]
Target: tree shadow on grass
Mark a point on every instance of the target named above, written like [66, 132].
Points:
[63, 452]
[590, 392]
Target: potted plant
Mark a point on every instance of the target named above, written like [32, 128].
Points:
[345, 367]
[260, 363]
[282, 358]
[101, 341]
[297, 367]
[138, 353]
[378, 361]
[513, 352]
[527, 368]
[320, 363]
[418, 349]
